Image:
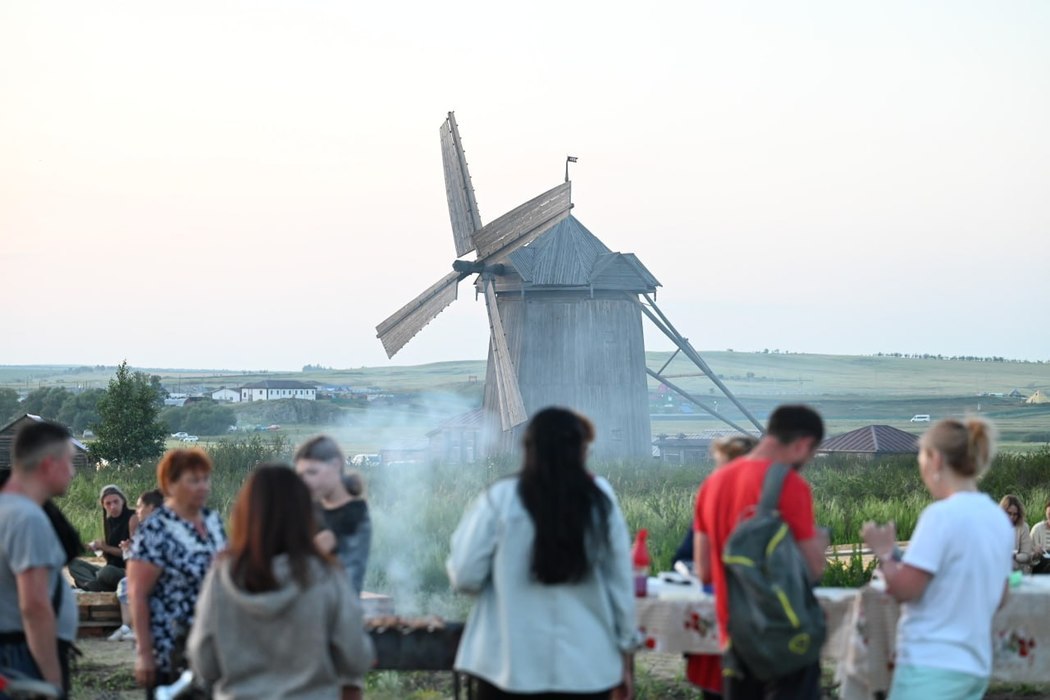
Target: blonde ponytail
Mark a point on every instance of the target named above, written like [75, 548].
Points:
[968, 448]
[980, 444]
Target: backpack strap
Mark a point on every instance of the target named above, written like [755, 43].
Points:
[772, 485]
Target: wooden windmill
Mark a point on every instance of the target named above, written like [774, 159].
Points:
[565, 316]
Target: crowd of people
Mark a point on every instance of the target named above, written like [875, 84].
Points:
[288, 578]
[273, 609]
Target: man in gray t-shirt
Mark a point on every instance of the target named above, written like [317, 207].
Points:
[36, 608]
[27, 541]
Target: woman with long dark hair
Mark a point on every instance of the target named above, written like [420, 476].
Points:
[276, 617]
[119, 523]
[546, 552]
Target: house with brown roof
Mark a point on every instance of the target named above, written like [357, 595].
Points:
[871, 441]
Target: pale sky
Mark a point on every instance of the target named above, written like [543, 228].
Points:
[255, 185]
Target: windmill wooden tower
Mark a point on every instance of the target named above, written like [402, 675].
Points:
[565, 316]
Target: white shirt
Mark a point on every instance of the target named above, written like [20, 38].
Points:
[1041, 535]
[525, 637]
[966, 542]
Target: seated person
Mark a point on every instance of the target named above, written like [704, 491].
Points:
[1022, 541]
[119, 523]
[1041, 543]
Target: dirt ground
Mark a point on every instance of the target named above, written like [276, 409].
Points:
[105, 673]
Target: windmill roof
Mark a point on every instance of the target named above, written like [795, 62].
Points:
[873, 439]
[571, 256]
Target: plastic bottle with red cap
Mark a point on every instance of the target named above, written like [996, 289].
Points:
[640, 562]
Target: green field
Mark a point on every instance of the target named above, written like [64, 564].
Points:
[850, 391]
[795, 375]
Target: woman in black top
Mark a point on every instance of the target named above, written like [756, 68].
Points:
[119, 523]
[343, 511]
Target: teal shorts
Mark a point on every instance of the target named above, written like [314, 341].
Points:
[925, 683]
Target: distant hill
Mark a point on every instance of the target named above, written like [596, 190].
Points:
[762, 374]
[850, 391]
[746, 373]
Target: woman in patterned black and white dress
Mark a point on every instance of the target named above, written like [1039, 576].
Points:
[172, 552]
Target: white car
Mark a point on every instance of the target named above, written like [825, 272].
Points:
[921, 418]
[190, 438]
[180, 435]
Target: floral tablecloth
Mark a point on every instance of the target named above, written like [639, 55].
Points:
[687, 625]
[862, 628]
[1020, 643]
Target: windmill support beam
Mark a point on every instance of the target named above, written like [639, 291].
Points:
[652, 311]
[689, 397]
[669, 360]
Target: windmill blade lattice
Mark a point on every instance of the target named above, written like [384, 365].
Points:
[404, 323]
[522, 225]
[511, 406]
[462, 206]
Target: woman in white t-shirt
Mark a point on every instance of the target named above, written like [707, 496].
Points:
[954, 575]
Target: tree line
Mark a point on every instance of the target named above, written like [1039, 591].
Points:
[128, 417]
[956, 358]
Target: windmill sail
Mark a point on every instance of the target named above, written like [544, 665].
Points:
[523, 224]
[462, 207]
[402, 326]
[511, 407]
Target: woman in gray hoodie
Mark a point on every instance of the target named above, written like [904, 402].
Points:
[276, 617]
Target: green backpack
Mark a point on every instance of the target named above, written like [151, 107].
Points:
[776, 625]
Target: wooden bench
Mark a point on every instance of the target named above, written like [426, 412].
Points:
[99, 614]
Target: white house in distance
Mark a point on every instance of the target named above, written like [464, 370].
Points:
[227, 395]
[277, 389]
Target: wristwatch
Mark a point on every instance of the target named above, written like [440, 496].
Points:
[895, 554]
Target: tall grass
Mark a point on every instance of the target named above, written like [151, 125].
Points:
[848, 491]
[232, 460]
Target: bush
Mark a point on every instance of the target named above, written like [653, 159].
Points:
[296, 411]
[852, 573]
[199, 418]
[78, 411]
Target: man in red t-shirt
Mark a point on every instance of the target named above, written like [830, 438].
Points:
[729, 495]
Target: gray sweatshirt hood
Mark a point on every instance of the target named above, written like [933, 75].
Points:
[271, 603]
